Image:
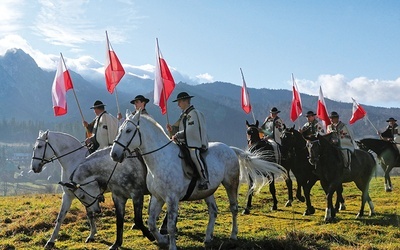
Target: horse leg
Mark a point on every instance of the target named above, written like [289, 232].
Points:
[339, 205]
[289, 185]
[249, 198]
[299, 196]
[232, 187]
[388, 181]
[272, 190]
[172, 208]
[155, 208]
[371, 206]
[119, 205]
[307, 190]
[138, 200]
[212, 215]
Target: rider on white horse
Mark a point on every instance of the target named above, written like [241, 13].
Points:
[190, 130]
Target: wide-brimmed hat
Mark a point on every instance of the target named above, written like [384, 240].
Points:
[310, 113]
[140, 98]
[391, 119]
[334, 115]
[182, 95]
[98, 104]
[274, 110]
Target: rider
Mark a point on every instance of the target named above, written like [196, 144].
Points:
[343, 136]
[272, 128]
[104, 128]
[312, 127]
[140, 103]
[190, 130]
[391, 133]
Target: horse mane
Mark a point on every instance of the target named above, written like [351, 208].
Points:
[377, 145]
[43, 133]
[154, 122]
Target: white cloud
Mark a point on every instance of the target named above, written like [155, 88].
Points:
[11, 15]
[205, 78]
[365, 91]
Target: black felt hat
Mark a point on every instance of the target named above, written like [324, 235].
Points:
[274, 110]
[98, 104]
[140, 98]
[310, 113]
[334, 115]
[391, 119]
[182, 95]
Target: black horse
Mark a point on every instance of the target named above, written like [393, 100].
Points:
[329, 159]
[387, 153]
[259, 146]
[295, 145]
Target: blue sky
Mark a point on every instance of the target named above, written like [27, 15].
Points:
[350, 48]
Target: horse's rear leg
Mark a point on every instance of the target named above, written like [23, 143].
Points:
[138, 213]
[232, 188]
[155, 208]
[272, 190]
[289, 185]
[172, 211]
[212, 215]
[249, 199]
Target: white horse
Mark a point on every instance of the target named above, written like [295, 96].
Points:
[168, 183]
[70, 153]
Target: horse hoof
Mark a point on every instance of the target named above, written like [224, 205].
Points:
[274, 208]
[49, 245]
[134, 227]
[359, 216]
[388, 190]
[342, 207]
[288, 203]
[246, 211]
[309, 211]
[88, 240]
[114, 247]
[301, 198]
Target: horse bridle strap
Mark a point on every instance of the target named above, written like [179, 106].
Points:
[126, 147]
[54, 157]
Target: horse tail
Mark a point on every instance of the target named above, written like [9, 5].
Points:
[256, 171]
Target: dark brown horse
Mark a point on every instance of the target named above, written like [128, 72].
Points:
[329, 159]
[387, 153]
[259, 146]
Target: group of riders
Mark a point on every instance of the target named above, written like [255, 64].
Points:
[190, 131]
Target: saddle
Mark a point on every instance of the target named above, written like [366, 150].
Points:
[188, 167]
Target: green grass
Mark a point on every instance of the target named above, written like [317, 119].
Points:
[27, 221]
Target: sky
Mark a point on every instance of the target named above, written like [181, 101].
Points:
[349, 48]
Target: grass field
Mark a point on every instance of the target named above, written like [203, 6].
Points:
[27, 222]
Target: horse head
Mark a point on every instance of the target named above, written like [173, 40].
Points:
[128, 138]
[90, 194]
[42, 152]
[253, 133]
[314, 149]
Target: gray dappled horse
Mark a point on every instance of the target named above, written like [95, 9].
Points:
[51, 146]
[329, 162]
[168, 182]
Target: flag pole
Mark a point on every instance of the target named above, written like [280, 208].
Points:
[73, 90]
[112, 73]
[162, 80]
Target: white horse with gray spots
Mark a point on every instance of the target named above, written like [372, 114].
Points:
[168, 183]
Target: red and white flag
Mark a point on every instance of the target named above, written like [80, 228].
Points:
[246, 106]
[322, 111]
[61, 84]
[358, 112]
[113, 68]
[296, 109]
[164, 83]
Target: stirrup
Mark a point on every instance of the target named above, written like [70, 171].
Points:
[203, 185]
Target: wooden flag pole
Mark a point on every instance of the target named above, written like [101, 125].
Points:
[73, 90]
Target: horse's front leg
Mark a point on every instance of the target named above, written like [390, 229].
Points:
[272, 190]
[137, 200]
[289, 185]
[388, 181]
[329, 211]
[212, 216]
[249, 199]
[155, 208]
[172, 210]
[307, 191]
[119, 205]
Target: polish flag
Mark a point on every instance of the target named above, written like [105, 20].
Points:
[358, 112]
[61, 84]
[246, 106]
[322, 111]
[296, 110]
[164, 83]
[113, 68]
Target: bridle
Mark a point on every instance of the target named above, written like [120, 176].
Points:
[45, 160]
[137, 131]
[313, 158]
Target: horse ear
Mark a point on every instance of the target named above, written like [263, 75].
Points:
[68, 185]
[127, 113]
[257, 123]
[247, 124]
[294, 125]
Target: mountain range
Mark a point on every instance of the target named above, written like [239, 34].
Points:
[25, 95]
